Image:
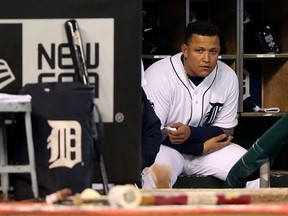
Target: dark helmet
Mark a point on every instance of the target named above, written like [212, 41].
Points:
[259, 38]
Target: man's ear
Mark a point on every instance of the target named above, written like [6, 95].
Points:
[184, 49]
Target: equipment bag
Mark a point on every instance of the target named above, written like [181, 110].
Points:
[62, 125]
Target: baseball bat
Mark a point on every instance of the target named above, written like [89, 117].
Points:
[127, 196]
[76, 49]
[58, 195]
[78, 58]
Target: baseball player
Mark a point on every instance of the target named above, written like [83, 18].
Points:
[195, 97]
[151, 133]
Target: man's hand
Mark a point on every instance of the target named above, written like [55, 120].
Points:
[180, 135]
[216, 143]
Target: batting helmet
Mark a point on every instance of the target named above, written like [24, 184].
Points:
[260, 38]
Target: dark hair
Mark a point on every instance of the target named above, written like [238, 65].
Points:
[205, 28]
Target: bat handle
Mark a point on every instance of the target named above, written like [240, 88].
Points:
[76, 48]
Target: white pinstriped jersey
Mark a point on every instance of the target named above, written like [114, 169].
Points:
[213, 102]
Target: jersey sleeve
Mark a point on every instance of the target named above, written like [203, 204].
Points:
[186, 147]
[201, 134]
[194, 145]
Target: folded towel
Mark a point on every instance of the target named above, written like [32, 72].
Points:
[10, 98]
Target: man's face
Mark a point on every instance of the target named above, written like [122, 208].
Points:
[201, 54]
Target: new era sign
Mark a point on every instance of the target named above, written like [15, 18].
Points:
[36, 50]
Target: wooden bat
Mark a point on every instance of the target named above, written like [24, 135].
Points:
[76, 49]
